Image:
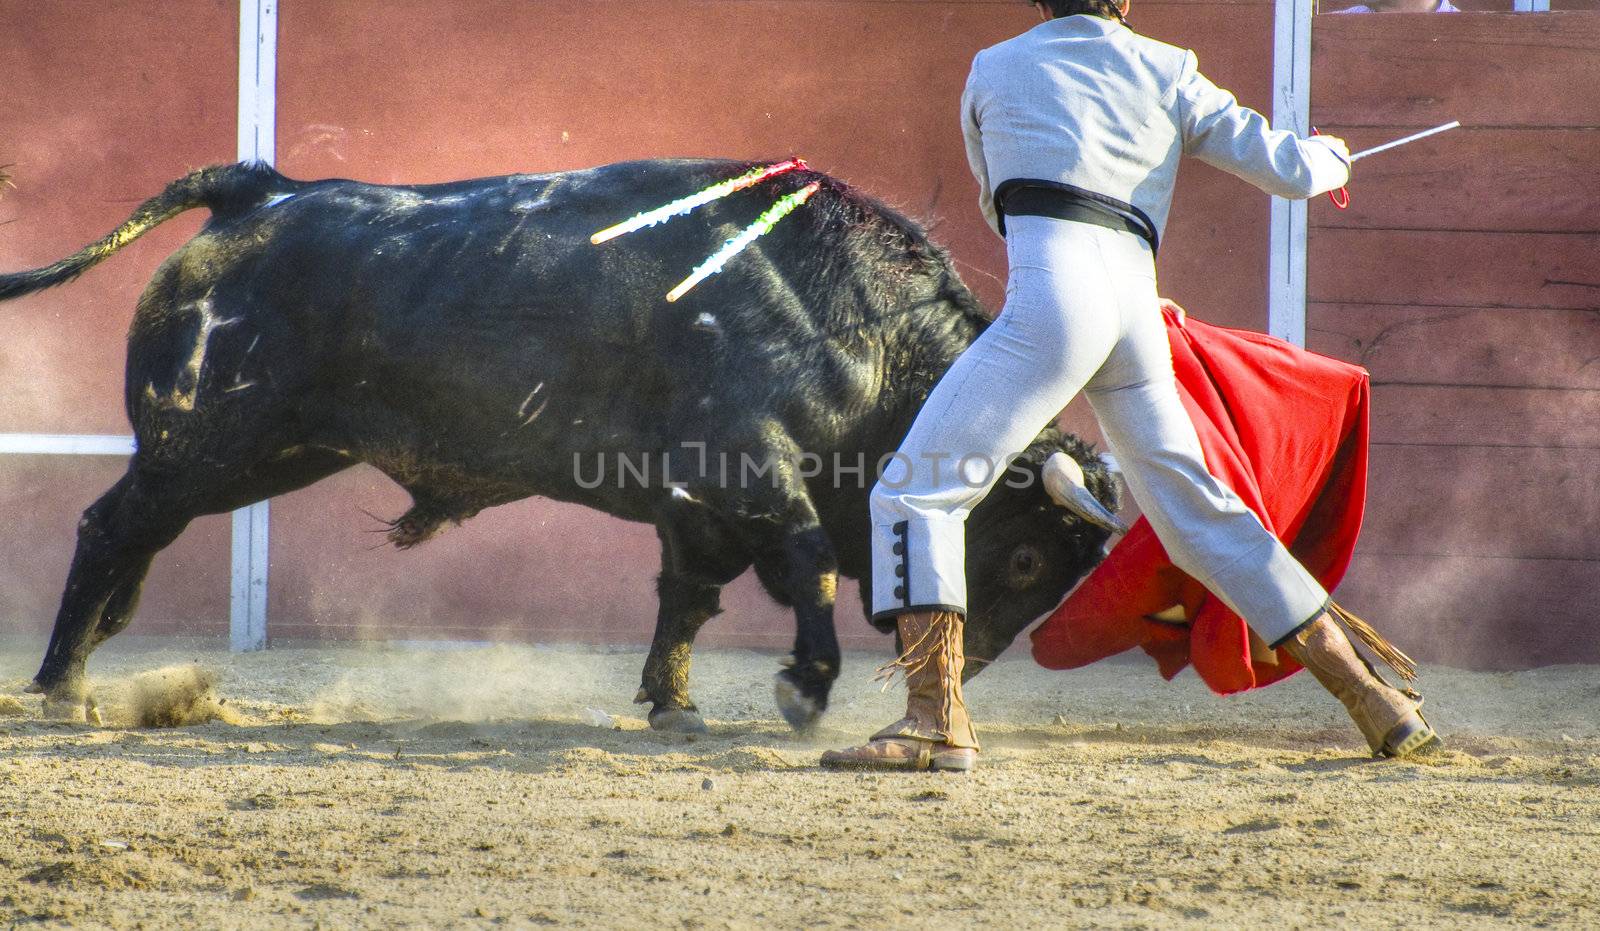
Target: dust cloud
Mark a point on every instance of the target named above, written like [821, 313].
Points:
[177, 696]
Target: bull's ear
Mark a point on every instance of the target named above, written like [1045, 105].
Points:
[1064, 482]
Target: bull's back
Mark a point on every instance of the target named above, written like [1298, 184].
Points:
[474, 321]
[494, 255]
[482, 269]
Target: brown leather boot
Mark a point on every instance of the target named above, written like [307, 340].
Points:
[936, 732]
[1389, 718]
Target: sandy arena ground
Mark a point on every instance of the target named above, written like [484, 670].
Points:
[379, 787]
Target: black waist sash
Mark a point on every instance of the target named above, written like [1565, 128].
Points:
[1033, 197]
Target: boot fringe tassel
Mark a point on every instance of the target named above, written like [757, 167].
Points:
[1403, 665]
[913, 657]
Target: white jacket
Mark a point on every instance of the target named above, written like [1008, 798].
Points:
[1085, 101]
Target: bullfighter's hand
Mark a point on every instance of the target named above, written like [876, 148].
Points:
[1338, 145]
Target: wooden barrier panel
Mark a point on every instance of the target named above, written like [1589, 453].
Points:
[1484, 69]
[1508, 347]
[1466, 277]
[1468, 499]
[1478, 612]
[42, 498]
[1477, 6]
[1477, 179]
[1486, 417]
[1454, 269]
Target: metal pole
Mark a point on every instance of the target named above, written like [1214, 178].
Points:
[1406, 140]
[258, 78]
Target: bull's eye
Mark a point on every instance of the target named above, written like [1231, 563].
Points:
[1027, 564]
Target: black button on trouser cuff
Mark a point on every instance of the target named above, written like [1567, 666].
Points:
[918, 564]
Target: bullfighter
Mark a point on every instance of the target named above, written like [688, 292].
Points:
[1074, 131]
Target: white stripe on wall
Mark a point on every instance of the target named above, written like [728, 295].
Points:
[65, 444]
[258, 101]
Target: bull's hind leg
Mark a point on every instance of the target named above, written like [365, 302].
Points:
[686, 604]
[698, 557]
[118, 538]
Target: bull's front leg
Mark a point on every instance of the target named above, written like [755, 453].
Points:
[812, 576]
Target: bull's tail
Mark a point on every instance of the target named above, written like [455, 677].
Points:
[220, 188]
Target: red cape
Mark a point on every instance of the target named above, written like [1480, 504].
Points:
[1286, 429]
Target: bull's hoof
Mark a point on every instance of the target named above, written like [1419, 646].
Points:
[798, 708]
[677, 721]
[75, 709]
[67, 699]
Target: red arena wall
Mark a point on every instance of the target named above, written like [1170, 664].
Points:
[112, 100]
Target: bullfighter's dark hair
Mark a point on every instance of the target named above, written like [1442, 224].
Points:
[1106, 8]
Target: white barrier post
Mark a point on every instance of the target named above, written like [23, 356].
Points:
[258, 78]
[1291, 109]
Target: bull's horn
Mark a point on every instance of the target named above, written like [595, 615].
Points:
[1063, 480]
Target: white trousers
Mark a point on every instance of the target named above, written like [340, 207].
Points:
[1081, 314]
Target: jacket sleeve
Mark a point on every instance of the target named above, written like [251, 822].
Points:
[1220, 132]
[970, 109]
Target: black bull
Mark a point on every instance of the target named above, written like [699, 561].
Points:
[469, 341]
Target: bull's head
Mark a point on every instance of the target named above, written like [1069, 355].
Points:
[1028, 546]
